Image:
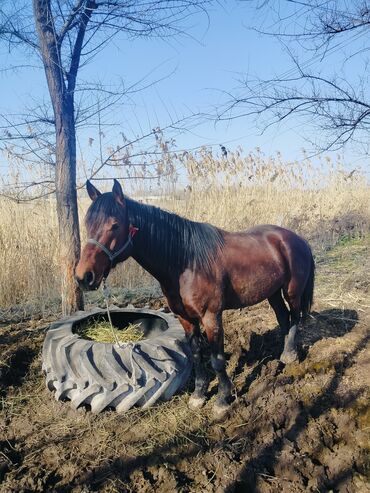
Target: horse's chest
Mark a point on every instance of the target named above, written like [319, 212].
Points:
[193, 295]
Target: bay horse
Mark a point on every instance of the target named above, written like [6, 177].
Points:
[202, 271]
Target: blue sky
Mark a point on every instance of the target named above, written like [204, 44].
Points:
[194, 74]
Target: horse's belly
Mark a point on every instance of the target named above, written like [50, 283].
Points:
[246, 289]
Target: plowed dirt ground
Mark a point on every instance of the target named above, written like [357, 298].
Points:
[304, 427]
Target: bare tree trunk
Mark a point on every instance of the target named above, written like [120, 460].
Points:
[65, 167]
[66, 195]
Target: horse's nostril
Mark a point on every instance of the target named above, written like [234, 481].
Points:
[89, 278]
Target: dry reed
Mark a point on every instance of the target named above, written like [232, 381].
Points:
[322, 201]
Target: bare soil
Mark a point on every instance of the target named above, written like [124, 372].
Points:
[304, 427]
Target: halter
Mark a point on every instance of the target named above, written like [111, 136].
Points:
[112, 255]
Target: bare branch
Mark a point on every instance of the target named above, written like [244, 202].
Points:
[338, 105]
[76, 54]
[71, 22]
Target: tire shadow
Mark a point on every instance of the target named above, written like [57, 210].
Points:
[16, 368]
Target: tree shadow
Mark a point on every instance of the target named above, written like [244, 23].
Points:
[263, 348]
[269, 345]
[268, 456]
[9, 457]
[94, 478]
[122, 467]
[335, 322]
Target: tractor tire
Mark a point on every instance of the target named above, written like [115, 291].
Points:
[104, 375]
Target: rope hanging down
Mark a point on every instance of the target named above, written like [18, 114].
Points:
[106, 294]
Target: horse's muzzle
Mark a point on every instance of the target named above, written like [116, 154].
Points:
[87, 283]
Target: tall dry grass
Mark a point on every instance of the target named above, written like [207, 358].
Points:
[320, 200]
[28, 252]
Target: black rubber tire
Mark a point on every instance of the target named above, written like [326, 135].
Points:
[105, 375]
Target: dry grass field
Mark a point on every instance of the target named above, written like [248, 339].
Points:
[300, 428]
[323, 202]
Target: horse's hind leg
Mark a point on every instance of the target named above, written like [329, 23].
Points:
[198, 397]
[289, 353]
[281, 311]
[293, 297]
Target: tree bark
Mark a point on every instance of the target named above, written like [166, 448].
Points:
[67, 210]
[65, 166]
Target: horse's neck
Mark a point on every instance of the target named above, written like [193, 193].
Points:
[166, 244]
[155, 266]
[147, 246]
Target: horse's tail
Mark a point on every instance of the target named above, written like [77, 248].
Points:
[307, 296]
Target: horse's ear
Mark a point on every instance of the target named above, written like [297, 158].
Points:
[117, 193]
[92, 191]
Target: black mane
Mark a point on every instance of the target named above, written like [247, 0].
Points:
[172, 239]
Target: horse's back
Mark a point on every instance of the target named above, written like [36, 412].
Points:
[267, 238]
[260, 261]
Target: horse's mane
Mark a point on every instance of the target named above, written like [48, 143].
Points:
[170, 238]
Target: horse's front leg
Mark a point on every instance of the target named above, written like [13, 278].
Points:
[198, 397]
[212, 323]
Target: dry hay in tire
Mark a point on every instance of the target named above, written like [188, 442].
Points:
[102, 331]
[105, 375]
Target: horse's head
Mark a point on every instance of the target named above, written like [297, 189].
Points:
[109, 236]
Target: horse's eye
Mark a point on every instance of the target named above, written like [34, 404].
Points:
[114, 226]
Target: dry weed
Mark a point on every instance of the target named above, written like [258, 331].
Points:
[321, 200]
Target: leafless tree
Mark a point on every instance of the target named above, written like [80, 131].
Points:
[330, 97]
[64, 35]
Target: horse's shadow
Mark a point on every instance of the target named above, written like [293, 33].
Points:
[268, 346]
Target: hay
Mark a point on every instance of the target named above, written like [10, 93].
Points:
[101, 331]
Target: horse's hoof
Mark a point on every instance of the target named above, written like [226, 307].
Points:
[220, 411]
[289, 357]
[196, 402]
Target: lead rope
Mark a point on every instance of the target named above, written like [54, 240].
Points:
[106, 294]
[105, 288]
